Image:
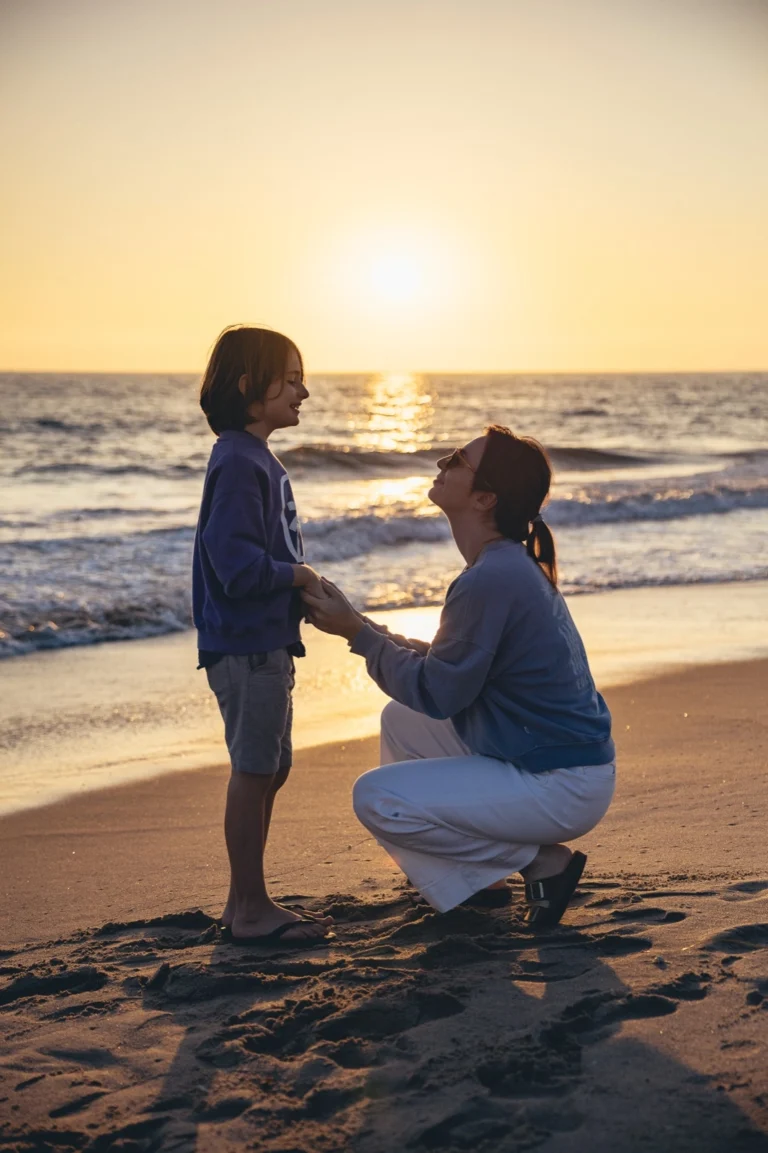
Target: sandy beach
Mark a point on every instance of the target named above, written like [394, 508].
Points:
[424, 296]
[639, 1023]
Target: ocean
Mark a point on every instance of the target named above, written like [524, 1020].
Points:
[659, 479]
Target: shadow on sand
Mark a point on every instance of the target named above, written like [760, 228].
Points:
[410, 1031]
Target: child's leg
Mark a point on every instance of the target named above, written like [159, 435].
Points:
[245, 826]
[254, 695]
[278, 781]
[275, 783]
[245, 834]
[285, 761]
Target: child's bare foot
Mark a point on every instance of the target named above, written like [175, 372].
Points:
[258, 922]
[228, 916]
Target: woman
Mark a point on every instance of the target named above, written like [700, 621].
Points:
[497, 746]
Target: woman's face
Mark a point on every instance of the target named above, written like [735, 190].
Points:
[453, 488]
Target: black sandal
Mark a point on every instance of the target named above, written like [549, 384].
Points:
[277, 935]
[489, 898]
[548, 899]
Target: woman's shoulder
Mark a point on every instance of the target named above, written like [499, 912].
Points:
[501, 554]
[499, 560]
[503, 574]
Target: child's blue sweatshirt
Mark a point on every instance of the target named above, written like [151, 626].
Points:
[247, 541]
[507, 666]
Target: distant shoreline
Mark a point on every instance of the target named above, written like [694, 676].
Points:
[431, 606]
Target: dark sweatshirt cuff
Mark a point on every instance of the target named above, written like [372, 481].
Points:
[366, 641]
[283, 574]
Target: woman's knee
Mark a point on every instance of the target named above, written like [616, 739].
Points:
[364, 797]
[389, 716]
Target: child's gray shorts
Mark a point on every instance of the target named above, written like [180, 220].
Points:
[254, 695]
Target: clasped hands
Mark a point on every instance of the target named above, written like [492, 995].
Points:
[327, 607]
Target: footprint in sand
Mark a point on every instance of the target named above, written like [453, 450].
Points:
[352, 1053]
[385, 1017]
[745, 891]
[95, 1058]
[740, 939]
[475, 1122]
[535, 1069]
[69, 1108]
[648, 913]
[62, 981]
[600, 1009]
[460, 949]
[84, 1009]
[687, 987]
[224, 1109]
[620, 944]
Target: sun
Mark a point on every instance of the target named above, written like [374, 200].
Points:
[391, 280]
[396, 277]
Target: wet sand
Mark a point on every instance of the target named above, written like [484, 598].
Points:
[75, 720]
[637, 1024]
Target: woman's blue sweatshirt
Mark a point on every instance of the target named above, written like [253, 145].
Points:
[248, 539]
[507, 666]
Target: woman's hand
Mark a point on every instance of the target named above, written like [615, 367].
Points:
[331, 612]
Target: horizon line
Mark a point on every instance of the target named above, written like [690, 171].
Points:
[409, 371]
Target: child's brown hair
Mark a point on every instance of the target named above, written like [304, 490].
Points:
[258, 354]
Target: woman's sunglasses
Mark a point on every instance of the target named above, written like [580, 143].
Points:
[457, 458]
[454, 460]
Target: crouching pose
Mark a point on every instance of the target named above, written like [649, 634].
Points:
[496, 747]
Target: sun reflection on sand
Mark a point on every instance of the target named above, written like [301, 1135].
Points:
[419, 622]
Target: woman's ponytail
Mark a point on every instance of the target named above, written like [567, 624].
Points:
[540, 546]
[517, 470]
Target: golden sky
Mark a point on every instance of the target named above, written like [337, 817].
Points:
[455, 185]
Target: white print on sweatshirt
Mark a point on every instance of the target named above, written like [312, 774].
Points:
[289, 519]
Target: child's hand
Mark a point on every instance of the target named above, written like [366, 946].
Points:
[331, 612]
[305, 577]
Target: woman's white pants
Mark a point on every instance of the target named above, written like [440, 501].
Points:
[454, 822]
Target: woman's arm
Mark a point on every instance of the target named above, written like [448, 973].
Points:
[337, 614]
[402, 642]
[446, 678]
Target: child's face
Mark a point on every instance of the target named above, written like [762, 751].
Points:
[281, 405]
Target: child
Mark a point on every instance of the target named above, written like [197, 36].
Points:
[248, 572]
